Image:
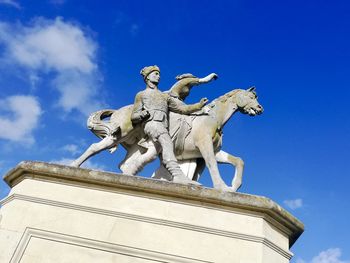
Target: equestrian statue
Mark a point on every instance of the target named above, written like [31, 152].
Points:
[186, 138]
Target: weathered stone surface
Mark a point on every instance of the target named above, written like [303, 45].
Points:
[186, 137]
[101, 216]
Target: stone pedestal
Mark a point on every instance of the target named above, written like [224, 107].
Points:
[59, 214]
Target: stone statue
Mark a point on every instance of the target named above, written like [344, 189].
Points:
[200, 132]
[151, 108]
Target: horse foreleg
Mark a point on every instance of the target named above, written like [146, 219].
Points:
[106, 143]
[224, 157]
[135, 160]
[205, 146]
[132, 152]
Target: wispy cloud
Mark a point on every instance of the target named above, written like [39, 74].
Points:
[331, 255]
[61, 48]
[19, 116]
[11, 3]
[71, 148]
[294, 204]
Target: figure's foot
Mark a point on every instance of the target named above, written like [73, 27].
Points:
[128, 169]
[184, 180]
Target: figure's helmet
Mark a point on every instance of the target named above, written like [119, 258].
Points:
[147, 70]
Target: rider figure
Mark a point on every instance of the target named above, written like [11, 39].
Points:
[185, 82]
[182, 125]
[151, 108]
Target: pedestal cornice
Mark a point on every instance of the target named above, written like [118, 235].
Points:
[113, 181]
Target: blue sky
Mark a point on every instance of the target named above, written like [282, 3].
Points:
[61, 60]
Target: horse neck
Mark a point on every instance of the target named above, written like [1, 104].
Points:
[223, 111]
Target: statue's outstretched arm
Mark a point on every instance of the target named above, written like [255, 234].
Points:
[183, 86]
[210, 77]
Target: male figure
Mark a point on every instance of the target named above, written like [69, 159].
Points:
[151, 108]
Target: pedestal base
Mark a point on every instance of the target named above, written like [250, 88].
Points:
[62, 214]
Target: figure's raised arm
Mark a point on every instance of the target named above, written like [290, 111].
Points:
[185, 82]
[210, 77]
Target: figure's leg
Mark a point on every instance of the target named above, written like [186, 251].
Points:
[170, 162]
[107, 143]
[224, 157]
[135, 161]
[188, 167]
[205, 146]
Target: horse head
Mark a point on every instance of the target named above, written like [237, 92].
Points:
[247, 102]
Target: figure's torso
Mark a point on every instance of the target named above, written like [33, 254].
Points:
[156, 103]
[153, 99]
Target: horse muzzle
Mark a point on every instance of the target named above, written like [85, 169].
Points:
[256, 110]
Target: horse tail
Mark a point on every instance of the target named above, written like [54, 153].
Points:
[100, 127]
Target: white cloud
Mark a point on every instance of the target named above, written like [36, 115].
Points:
[33, 80]
[88, 164]
[19, 116]
[61, 48]
[11, 3]
[331, 255]
[50, 44]
[78, 91]
[294, 204]
[71, 148]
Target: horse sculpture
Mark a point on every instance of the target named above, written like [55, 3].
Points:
[203, 140]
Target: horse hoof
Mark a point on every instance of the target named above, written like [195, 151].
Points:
[234, 188]
[74, 164]
[225, 188]
[230, 190]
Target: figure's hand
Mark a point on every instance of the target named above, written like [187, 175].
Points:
[203, 101]
[214, 76]
[205, 110]
[208, 78]
[145, 114]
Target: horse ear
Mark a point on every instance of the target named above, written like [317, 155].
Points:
[251, 89]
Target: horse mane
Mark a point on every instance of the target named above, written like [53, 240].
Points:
[225, 97]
